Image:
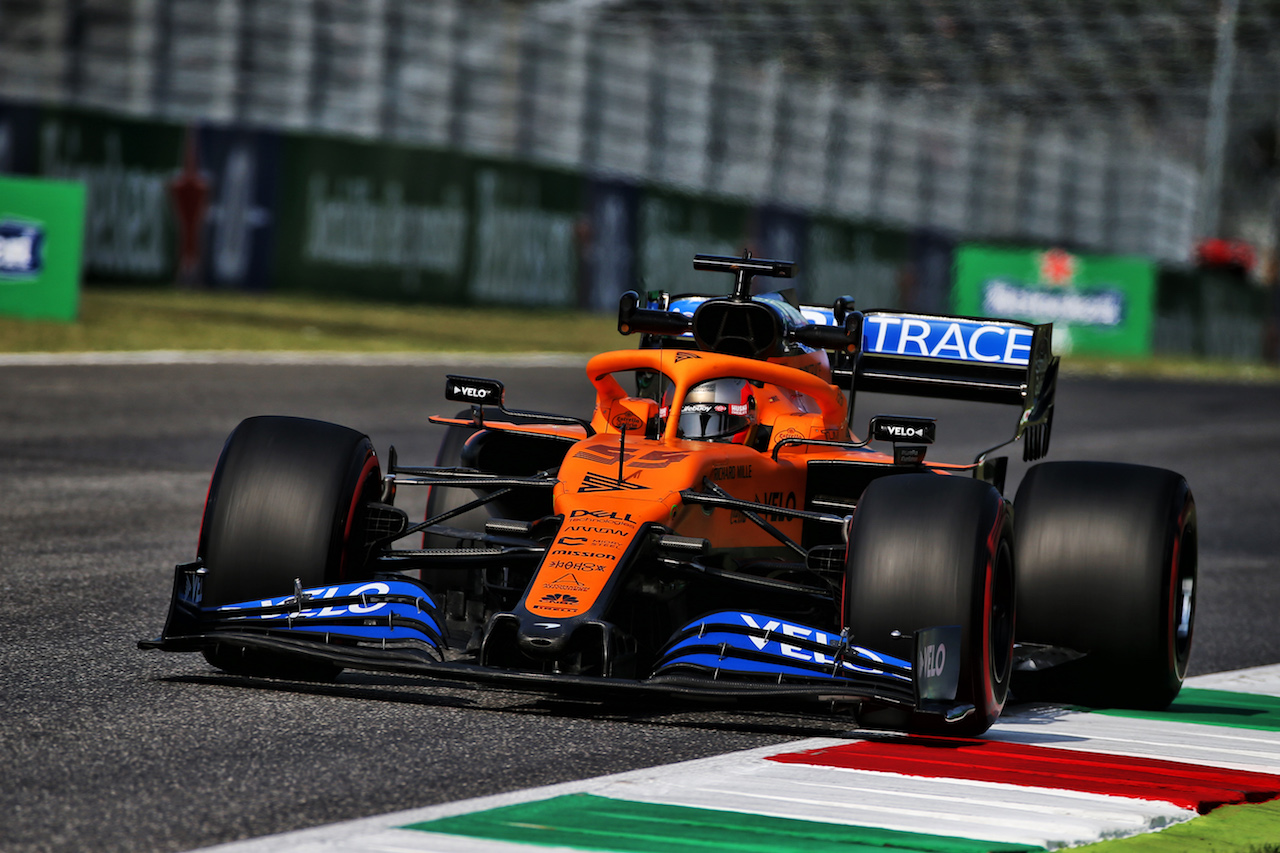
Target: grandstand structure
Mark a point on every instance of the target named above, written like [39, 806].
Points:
[1081, 123]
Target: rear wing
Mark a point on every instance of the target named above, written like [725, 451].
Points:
[892, 352]
[962, 358]
[976, 359]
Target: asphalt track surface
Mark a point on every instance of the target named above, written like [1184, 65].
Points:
[103, 471]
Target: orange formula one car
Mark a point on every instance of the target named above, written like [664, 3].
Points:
[713, 531]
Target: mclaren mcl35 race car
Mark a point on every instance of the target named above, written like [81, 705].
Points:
[713, 531]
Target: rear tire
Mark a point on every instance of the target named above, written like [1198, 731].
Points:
[1107, 564]
[928, 550]
[284, 504]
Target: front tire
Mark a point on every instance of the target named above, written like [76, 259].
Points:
[1107, 565]
[928, 550]
[285, 503]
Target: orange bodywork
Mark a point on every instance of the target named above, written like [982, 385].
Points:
[631, 472]
[611, 484]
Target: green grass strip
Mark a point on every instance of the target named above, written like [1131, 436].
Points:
[1168, 366]
[1230, 829]
[1214, 708]
[116, 317]
[130, 319]
[585, 821]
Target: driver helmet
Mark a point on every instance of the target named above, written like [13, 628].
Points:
[719, 410]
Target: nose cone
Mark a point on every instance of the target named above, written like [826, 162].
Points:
[543, 639]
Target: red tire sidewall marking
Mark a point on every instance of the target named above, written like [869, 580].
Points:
[370, 465]
[988, 685]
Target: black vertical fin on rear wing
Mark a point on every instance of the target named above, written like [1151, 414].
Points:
[1037, 413]
[961, 358]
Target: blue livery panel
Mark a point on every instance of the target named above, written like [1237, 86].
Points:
[749, 643]
[393, 623]
[377, 611]
[991, 342]
[371, 597]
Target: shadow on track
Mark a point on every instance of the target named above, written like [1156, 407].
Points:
[410, 691]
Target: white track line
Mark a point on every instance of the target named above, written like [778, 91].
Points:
[1263, 680]
[744, 781]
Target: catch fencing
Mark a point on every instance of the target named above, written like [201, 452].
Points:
[566, 85]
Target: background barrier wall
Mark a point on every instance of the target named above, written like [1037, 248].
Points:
[126, 167]
[913, 114]
[373, 221]
[230, 207]
[864, 137]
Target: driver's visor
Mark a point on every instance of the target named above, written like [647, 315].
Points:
[713, 420]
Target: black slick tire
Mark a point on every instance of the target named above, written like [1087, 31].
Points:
[928, 550]
[284, 505]
[1107, 564]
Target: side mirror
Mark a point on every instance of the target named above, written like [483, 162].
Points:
[911, 437]
[900, 428]
[470, 389]
[633, 413]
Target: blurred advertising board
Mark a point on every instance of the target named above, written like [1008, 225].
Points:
[527, 230]
[1098, 304]
[41, 237]
[168, 202]
[847, 259]
[374, 221]
[19, 130]
[782, 233]
[608, 244]
[126, 166]
[673, 227]
[225, 202]
[416, 224]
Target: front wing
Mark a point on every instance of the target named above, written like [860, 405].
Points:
[393, 624]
